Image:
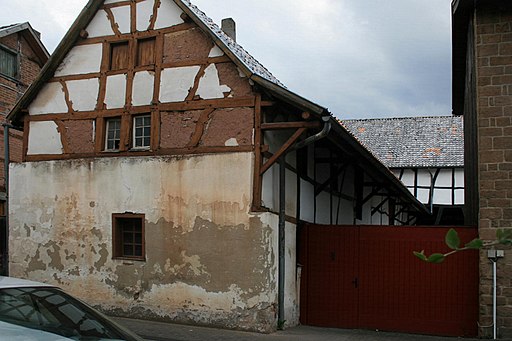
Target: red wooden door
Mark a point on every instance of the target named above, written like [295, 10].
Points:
[395, 291]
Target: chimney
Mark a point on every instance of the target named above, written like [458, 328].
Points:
[229, 27]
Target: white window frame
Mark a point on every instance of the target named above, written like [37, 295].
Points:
[139, 132]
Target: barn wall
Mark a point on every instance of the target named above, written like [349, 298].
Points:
[208, 261]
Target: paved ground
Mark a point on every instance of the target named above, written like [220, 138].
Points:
[159, 331]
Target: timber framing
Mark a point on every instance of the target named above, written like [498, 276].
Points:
[292, 117]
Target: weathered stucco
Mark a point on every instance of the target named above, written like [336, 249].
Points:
[191, 44]
[208, 260]
[81, 59]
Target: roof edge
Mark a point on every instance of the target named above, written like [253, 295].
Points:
[56, 58]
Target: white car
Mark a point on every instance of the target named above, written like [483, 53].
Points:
[33, 311]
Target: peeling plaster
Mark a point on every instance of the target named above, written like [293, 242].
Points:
[44, 138]
[209, 85]
[51, 99]
[83, 93]
[208, 259]
[100, 25]
[122, 18]
[81, 59]
[115, 97]
[143, 88]
[232, 142]
[169, 14]
[176, 83]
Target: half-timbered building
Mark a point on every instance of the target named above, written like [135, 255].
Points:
[166, 172]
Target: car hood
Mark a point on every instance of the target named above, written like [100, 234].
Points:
[13, 332]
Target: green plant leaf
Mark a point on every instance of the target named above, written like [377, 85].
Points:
[452, 239]
[436, 258]
[475, 244]
[504, 236]
[420, 255]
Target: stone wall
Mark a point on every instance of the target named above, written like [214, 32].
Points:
[494, 89]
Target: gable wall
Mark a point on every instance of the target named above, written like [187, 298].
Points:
[208, 259]
[198, 99]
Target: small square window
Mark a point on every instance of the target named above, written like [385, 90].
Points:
[113, 134]
[8, 63]
[142, 131]
[128, 236]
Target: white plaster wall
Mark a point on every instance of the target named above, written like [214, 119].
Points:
[143, 84]
[122, 18]
[44, 138]
[209, 84]
[81, 59]
[79, 196]
[144, 13]
[100, 25]
[215, 52]
[84, 93]
[168, 15]
[270, 190]
[115, 95]
[50, 100]
[175, 83]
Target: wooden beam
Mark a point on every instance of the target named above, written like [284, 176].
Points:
[282, 150]
[258, 158]
[290, 125]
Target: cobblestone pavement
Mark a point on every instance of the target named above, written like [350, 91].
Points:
[159, 331]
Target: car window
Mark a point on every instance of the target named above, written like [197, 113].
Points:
[52, 311]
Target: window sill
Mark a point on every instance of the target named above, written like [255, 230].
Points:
[140, 149]
[129, 261]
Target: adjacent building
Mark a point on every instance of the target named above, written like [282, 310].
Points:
[482, 93]
[426, 154]
[22, 56]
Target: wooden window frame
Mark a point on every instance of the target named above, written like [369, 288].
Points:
[118, 233]
[8, 52]
[134, 132]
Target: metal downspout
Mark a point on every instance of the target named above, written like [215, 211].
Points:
[5, 255]
[282, 213]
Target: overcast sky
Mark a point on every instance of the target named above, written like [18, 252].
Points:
[358, 58]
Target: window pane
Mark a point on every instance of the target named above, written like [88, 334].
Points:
[138, 238]
[113, 136]
[142, 131]
[127, 250]
[138, 250]
[127, 237]
[8, 63]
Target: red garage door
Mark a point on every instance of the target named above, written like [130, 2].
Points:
[367, 277]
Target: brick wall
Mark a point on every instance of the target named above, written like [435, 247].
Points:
[11, 90]
[494, 91]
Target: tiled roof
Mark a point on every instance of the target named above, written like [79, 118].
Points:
[412, 141]
[249, 61]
